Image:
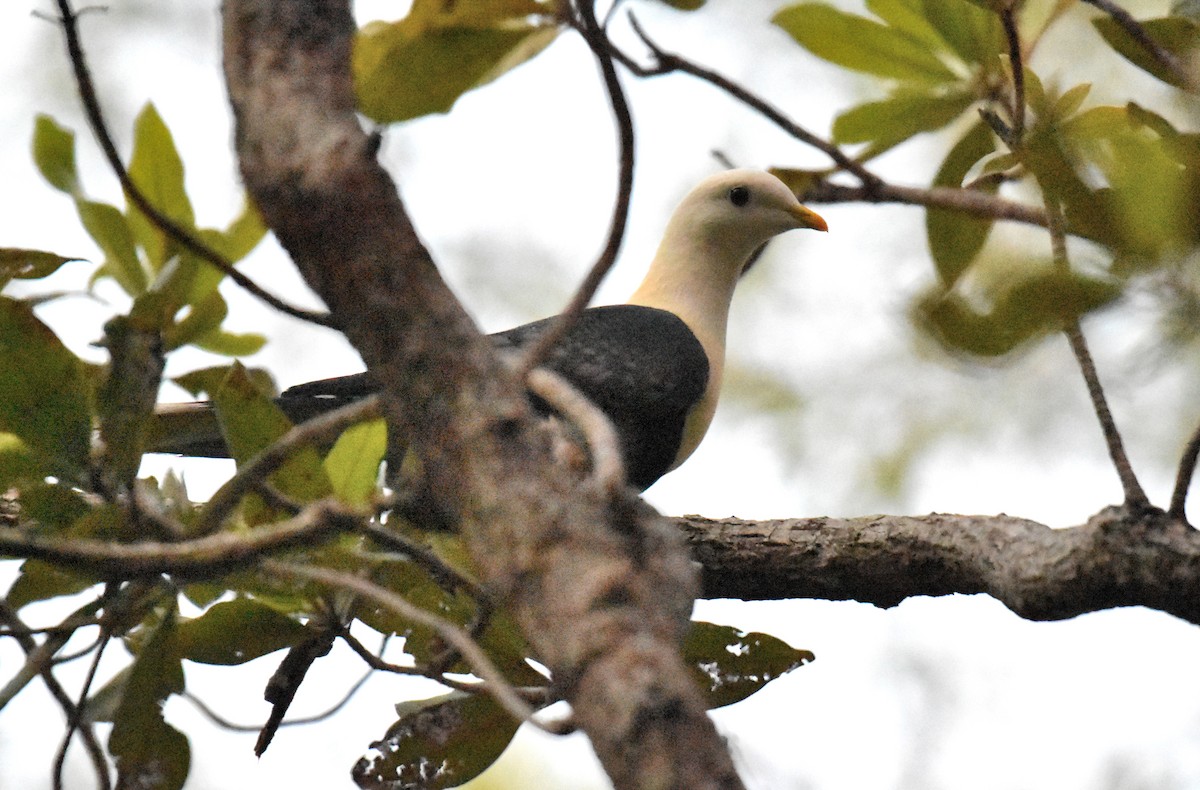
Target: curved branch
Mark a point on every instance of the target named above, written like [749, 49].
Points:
[91, 105]
[1118, 558]
[597, 41]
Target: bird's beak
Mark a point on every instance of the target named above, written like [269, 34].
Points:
[808, 218]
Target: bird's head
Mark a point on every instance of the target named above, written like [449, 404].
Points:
[735, 212]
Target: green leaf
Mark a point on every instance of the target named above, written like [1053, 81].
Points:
[148, 751]
[897, 118]
[18, 264]
[955, 238]
[438, 743]
[861, 44]
[108, 227]
[230, 344]
[52, 506]
[685, 5]
[41, 581]
[1177, 35]
[54, 154]
[1034, 307]
[250, 422]
[1070, 102]
[44, 392]
[353, 463]
[908, 17]
[158, 171]
[972, 31]
[202, 319]
[19, 464]
[238, 631]
[409, 68]
[241, 237]
[730, 665]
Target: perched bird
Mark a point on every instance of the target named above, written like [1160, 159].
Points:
[653, 365]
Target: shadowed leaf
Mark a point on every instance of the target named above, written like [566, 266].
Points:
[437, 743]
[955, 238]
[730, 665]
[1179, 36]
[234, 632]
[44, 392]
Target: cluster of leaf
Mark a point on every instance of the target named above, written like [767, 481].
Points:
[65, 425]
[1125, 178]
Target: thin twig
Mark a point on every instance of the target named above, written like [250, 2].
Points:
[95, 751]
[41, 658]
[1135, 497]
[667, 62]
[227, 724]
[316, 431]
[535, 695]
[1167, 60]
[597, 41]
[423, 556]
[1008, 19]
[608, 467]
[91, 105]
[204, 556]
[497, 686]
[1183, 479]
[76, 713]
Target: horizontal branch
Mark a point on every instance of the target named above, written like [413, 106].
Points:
[208, 555]
[1115, 559]
[967, 201]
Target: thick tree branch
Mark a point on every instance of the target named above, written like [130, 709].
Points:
[598, 583]
[1118, 558]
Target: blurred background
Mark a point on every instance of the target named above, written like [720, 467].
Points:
[835, 403]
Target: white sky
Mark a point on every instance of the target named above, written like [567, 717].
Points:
[512, 191]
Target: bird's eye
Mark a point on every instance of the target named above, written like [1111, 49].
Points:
[739, 196]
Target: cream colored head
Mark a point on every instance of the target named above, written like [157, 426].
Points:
[709, 239]
[707, 243]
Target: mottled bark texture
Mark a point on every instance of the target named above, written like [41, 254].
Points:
[600, 584]
[1118, 558]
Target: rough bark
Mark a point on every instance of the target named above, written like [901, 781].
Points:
[600, 585]
[1117, 558]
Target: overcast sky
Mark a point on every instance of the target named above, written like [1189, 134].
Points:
[831, 391]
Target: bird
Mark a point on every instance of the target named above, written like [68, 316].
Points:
[652, 365]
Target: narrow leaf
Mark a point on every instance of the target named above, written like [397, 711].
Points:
[861, 44]
[54, 154]
[955, 238]
[109, 228]
[1178, 35]
[893, 120]
[158, 171]
[18, 264]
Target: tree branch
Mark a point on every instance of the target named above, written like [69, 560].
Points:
[599, 585]
[207, 556]
[1118, 558]
[597, 41]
